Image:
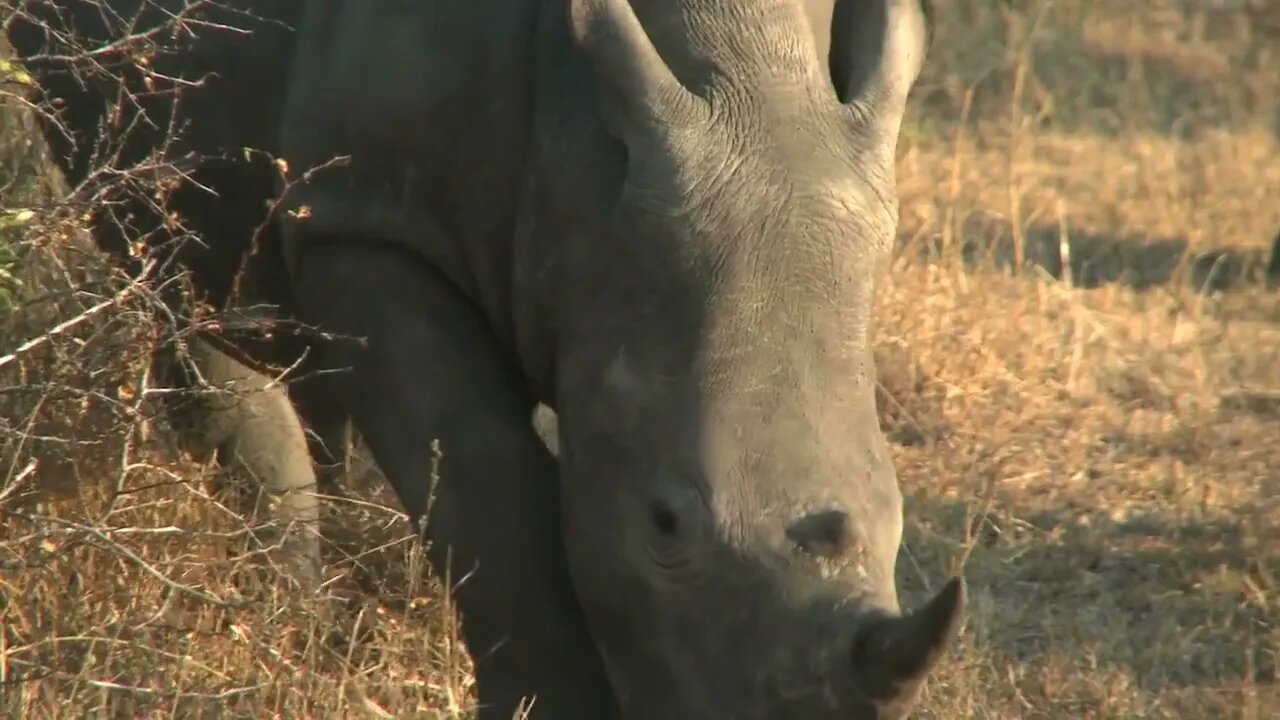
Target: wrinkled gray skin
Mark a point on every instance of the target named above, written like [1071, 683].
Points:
[665, 223]
[678, 255]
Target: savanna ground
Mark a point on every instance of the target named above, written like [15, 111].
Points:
[1096, 442]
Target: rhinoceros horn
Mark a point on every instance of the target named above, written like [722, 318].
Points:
[893, 655]
[644, 94]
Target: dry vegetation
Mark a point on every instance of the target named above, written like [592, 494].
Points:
[1102, 456]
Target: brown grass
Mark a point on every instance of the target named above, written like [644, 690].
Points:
[1104, 458]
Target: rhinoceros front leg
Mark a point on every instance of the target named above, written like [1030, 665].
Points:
[432, 371]
[255, 430]
[315, 397]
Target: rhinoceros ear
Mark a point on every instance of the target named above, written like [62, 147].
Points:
[640, 91]
[877, 50]
[892, 656]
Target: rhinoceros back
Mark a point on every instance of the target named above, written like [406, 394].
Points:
[412, 120]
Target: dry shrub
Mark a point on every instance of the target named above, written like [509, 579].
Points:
[130, 580]
[1102, 455]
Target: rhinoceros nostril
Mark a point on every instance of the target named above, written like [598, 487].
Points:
[828, 533]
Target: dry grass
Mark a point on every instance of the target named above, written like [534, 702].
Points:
[1105, 460]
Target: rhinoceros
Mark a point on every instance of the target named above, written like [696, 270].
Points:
[663, 219]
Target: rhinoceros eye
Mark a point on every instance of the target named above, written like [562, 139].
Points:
[664, 518]
[675, 517]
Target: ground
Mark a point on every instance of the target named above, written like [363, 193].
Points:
[1097, 448]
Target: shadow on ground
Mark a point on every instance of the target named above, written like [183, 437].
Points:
[1169, 601]
[1091, 260]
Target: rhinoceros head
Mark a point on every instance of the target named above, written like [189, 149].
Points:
[732, 513]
